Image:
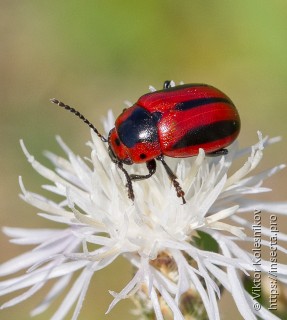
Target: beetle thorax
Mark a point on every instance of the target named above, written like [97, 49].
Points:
[135, 137]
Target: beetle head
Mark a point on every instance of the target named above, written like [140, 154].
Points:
[117, 149]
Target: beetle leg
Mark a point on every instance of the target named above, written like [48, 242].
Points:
[151, 166]
[166, 84]
[220, 152]
[128, 178]
[173, 177]
[129, 181]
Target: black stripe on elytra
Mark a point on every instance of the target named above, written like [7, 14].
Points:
[186, 105]
[208, 133]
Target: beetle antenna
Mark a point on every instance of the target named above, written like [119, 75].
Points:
[78, 114]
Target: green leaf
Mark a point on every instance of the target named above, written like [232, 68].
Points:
[205, 241]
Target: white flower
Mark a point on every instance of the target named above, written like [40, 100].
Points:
[97, 211]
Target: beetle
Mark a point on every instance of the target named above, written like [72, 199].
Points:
[176, 122]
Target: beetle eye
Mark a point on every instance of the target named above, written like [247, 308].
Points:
[117, 142]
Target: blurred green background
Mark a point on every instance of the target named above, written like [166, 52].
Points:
[96, 54]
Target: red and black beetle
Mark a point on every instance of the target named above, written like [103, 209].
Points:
[175, 121]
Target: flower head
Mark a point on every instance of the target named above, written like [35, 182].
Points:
[158, 235]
